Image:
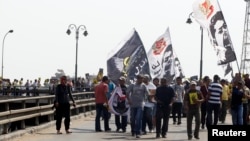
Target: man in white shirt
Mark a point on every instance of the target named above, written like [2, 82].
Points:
[178, 103]
[149, 105]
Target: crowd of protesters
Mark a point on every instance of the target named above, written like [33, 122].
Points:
[151, 102]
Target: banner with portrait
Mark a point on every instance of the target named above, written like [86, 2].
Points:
[163, 61]
[128, 59]
[209, 15]
[118, 103]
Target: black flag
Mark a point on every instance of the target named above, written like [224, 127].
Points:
[129, 59]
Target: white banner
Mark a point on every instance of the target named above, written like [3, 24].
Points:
[209, 15]
[118, 103]
[163, 61]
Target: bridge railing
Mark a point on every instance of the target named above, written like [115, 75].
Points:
[20, 112]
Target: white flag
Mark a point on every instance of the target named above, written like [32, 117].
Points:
[163, 61]
[209, 15]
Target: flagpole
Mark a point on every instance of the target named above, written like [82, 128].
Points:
[201, 59]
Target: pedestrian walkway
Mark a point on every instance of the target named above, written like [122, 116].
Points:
[83, 129]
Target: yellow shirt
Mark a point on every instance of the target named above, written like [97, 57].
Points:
[225, 92]
[247, 92]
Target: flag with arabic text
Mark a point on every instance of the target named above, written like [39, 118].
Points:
[163, 61]
[128, 59]
[209, 15]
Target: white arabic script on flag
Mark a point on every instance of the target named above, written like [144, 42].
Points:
[163, 61]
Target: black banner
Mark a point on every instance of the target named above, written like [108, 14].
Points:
[129, 61]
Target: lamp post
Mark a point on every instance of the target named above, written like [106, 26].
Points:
[189, 21]
[73, 27]
[10, 31]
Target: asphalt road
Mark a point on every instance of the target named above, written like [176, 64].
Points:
[83, 129]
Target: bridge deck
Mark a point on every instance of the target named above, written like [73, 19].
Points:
[83, 129]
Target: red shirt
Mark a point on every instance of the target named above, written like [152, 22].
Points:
[204, 91]
[100, 93]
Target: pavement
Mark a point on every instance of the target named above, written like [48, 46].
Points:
[83, 129]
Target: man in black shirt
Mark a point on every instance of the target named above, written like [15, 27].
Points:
[165, 98]
[62, 97]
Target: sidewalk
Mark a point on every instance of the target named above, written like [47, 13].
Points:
[83, 129]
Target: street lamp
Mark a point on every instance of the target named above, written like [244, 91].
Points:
[77, 31]
[10, 31]
[189, 21]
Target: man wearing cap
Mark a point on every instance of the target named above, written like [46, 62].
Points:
[192, 100]
[136, 94]
[121, 118]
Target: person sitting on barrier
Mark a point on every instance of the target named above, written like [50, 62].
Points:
[62, 104]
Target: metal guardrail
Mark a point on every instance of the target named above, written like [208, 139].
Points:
[22, 109]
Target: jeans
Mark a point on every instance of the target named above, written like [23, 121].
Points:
[212, 109]
[177, 109]
[162, 113]
[121, 122]
[237, 114]
[203, 113]
[147, 118]
[101, 109]
[245, 113]
[136, 119]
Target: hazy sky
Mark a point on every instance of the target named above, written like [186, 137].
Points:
[39, 44]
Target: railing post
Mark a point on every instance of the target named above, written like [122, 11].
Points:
[77, 109]
[6, 126]
[50, 117]
[23, 121]
[37, 118]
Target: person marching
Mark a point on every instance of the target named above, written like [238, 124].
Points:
[137, 95]
[224, 101]
[213, 101]
[192, 100]
[121, 120]
[178, 103]
[147, 119]
[164, 97]
[204, 91]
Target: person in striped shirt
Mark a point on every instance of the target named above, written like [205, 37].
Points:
[214, 101]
